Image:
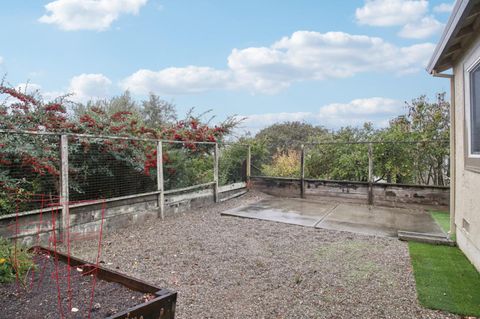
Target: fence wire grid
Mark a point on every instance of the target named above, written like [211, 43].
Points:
[105, 167]
[29, 164]
[109, 168]
[402, 162]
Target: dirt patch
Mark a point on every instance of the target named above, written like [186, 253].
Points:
[229, 267]
[41, 297]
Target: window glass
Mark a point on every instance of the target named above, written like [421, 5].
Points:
[475, 111]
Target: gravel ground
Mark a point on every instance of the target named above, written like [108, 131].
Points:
[229, 267]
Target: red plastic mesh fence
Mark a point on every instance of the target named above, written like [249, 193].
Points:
[48, 270]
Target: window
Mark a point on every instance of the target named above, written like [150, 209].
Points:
[475, 111]
[472, 111]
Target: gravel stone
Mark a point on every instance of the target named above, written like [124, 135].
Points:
[229, 267]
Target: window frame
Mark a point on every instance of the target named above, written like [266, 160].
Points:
[472, 64]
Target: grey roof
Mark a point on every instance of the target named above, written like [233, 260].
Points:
[461, 27]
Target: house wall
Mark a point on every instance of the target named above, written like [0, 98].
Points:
[467, 184]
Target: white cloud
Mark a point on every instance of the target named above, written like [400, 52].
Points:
[98, 15]
[410, 14]
[391, 12]
[191, 79]
[304, 56]
[310, 55]
[444, 8]
[377, 110]
[83, 87]
[422, 29]
[374, 106]
[89, 86]
[1, 59]
[255, 122]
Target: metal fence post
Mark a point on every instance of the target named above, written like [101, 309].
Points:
[215, 174]
[302, 172]
[160, 186]
[249, 163]
[64, 196]
[370, 174]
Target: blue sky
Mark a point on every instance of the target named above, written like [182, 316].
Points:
[331, 63]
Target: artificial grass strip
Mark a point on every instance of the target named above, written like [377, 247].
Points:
[445, 278]
[443, 219]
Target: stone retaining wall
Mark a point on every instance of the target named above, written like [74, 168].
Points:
[86, 219]
[393, 195]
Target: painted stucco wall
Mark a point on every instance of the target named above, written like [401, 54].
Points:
[467, 184]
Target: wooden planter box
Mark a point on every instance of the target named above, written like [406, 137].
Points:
[161, 307]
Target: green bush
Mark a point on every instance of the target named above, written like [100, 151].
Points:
[232, 164]
[14, 261]
[233, 158]
[186, 168]
[284, 164]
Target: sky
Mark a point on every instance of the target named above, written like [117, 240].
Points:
[329, 63]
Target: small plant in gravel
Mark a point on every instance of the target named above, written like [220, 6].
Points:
[14, 261]
[298, 279]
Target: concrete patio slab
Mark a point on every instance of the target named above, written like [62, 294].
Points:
[379, 221]
[362, 219]
[284, 210]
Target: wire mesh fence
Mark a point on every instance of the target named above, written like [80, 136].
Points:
[109, 168]
[187, 164]
[419, 163]
[101, 167]
[279, 161]
[399, 162]
[346, 162]
[232, 163]
[29, 165]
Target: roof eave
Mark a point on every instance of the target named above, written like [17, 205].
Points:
[451, 29]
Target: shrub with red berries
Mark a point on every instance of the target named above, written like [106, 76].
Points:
[30, 163]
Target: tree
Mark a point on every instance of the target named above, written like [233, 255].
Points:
[394, 160]
[431, 122]
[122, 103]
[288, 135]
[345, 159]
[116, 104]
[425, 162]
[157, 112]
